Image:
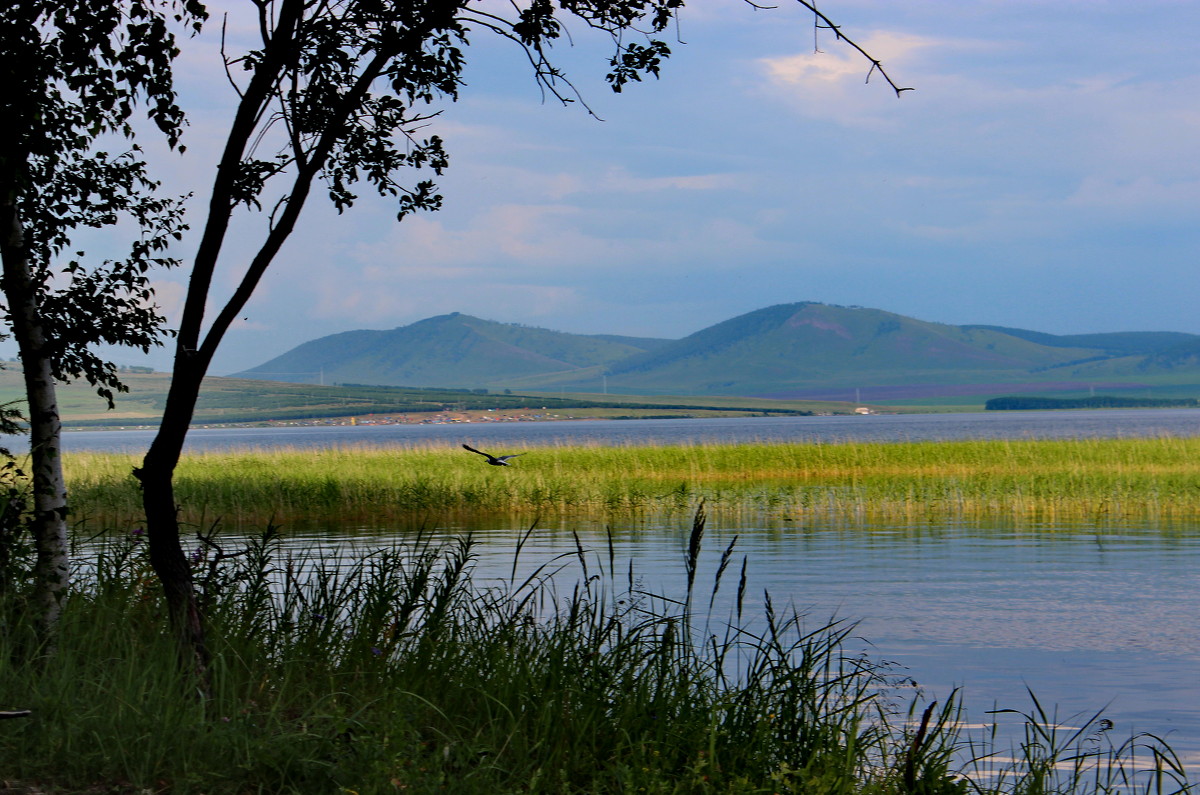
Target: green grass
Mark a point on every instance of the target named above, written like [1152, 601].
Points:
[1036, 481]
[396, 672]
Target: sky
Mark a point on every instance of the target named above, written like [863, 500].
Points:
[1044, 174]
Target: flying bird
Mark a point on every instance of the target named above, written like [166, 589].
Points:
[494, 460]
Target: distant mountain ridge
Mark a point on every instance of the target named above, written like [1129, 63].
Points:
[783, 350]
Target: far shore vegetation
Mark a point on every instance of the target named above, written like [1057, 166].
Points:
[239, 401]
[1099, 480]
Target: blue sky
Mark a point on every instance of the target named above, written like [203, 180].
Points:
[1044, 174]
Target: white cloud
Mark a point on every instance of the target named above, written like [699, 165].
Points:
[828, 84]
[1036, 124]
[1071, 140]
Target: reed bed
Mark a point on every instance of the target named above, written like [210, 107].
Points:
[1155, 479]
[395, 672]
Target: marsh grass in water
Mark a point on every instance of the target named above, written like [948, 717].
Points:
[1095, 480]
[1073, 754]
[396, 671]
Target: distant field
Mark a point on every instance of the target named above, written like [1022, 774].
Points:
[235, 400]
[78, 401]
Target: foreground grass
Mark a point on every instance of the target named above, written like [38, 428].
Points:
[396, 672]
[1036, 480]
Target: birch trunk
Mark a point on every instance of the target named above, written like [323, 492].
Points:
[49, 524]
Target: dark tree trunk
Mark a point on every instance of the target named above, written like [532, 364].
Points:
[194, 349]
[162, 521]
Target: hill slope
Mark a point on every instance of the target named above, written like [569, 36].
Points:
[788, 349]
[810, 344]
[453, 350]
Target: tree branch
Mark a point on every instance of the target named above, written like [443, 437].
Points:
[829, 24]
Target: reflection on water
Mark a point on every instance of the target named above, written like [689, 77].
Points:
[1087, 619]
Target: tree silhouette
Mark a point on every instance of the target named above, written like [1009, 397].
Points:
[335, 97]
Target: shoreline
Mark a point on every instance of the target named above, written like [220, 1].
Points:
[479, 416]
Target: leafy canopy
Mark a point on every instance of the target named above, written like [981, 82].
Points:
[74, 72]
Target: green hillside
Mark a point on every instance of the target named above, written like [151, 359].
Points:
[1182, 357]
[789, 358]
[809, 345]
[799, 350]
[453, 350]
[1114, 343]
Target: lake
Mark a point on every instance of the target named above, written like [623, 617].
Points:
[1086, 617]
[874, 427]
[1089, 619]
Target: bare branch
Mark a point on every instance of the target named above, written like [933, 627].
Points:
[822, 22]
[227, 60]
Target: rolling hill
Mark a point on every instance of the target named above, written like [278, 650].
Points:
[452, 350]
[797, 350]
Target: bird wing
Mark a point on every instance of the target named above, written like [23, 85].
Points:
[473, 450]
[506, 457]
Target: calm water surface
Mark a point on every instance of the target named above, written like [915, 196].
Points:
[879, 427]
[1088, 618]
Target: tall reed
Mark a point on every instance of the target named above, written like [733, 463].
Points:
[1032, 480]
